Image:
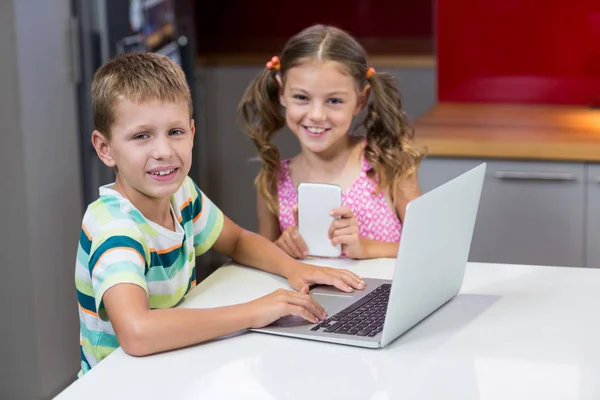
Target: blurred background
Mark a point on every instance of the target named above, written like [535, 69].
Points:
[514, 83]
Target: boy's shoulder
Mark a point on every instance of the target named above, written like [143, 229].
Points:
[113, 214]
[188, 193]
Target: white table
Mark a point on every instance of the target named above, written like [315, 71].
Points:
[515, 332]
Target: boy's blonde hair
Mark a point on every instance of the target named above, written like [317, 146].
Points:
[137, 77]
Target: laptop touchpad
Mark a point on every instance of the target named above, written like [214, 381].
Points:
[331, 291]
[331, 299]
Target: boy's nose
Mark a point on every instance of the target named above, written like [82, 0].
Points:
[163, 149]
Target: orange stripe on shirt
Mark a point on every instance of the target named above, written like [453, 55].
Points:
[89, 312]
[86, 232]
[166, 250]
[184, 205]
[119, 248]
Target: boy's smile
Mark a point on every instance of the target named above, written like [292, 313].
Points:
[163, 174]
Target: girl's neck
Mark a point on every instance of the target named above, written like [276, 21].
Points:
[157, 210]
[333, 160]
[330, 164]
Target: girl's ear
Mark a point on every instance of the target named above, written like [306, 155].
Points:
[363, 99]
[280, 83]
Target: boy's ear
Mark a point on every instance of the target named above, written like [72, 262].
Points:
[102, 147]
[363, 99]
[280, 82]
[192, 130]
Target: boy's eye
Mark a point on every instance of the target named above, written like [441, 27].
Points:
[176, 132]
[140, 136]
[300, 97]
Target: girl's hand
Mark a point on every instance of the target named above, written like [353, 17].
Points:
[344, 231]
[291, 242]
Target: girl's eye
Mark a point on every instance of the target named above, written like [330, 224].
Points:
[336, 101]
[300, 97]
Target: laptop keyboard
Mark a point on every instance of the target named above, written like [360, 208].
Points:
[362, 318]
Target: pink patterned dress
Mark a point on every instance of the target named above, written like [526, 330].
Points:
[375, 218]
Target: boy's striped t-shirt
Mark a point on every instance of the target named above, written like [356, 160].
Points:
[118, 244]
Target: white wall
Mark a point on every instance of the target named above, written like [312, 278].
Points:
[40, 205]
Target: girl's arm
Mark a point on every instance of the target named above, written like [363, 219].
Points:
[289, 241]
[406, 191]
[268, 224]
[345, 229]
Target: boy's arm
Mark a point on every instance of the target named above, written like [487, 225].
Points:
[119, 293]
[142, 331]
[256, 251]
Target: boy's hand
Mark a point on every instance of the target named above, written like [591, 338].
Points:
[282, 303]
[291, 242]
[304, 275]
[344, 231]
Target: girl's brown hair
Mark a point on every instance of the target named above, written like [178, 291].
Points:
[388, 133]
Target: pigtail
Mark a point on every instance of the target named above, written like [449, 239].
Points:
[388, 134]
[260, 114]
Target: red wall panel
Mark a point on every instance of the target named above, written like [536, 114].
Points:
[520, 51]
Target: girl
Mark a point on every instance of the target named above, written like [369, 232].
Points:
[322, 81]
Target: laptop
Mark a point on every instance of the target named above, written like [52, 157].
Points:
[429, 271]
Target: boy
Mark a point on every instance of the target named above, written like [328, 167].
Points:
[139, 240]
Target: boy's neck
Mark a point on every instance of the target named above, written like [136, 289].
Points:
[157, 210]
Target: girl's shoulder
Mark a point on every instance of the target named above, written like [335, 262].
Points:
[288, 164]
[284, 165]
[284, 170]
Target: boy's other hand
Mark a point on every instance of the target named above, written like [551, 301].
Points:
[282, 303]
[304, 275]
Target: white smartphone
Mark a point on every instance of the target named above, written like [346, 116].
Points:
[315, 202]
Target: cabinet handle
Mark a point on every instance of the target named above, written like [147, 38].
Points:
[536, 176]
